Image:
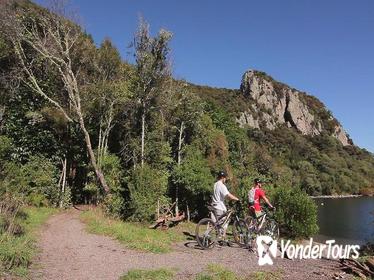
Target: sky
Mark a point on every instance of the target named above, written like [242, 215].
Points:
[325, 48]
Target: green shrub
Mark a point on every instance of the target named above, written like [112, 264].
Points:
[5, 147]
[66, 198]
[147, 186]
[15, 251]
[194, 181]
[11, 215]
[114, 202]
[36, 180]
[37, 200]
[18, 248]
[296, 212]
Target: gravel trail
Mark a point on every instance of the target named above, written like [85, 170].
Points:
[67, 251]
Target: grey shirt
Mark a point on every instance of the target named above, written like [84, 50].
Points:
[219, 194]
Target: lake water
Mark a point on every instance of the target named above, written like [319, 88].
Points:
[347, 220]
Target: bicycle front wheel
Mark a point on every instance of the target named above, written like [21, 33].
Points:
[206, 233]
[241, 233]
[271, 228]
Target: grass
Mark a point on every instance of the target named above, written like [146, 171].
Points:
[16, 252]
[269, 275]
[133, 235]
[218, 272]
[212, 272]
[155, 274]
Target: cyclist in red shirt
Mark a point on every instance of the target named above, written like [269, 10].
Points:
[255, 195]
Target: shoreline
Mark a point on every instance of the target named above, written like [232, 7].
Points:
[337, 196]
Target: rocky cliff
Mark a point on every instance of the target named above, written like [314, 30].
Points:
[272, 104]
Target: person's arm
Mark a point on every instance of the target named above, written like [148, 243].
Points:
[232, 197]
[226, 193]
[267, 201]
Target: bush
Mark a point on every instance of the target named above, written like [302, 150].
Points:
[10, 215]
[194, 181]
[37, 199]
[296, 212]
[114, 202]
[146, 187]
[36, 180]
[5, 147]
[17, 249]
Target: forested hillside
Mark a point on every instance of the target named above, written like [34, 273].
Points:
[80, 125]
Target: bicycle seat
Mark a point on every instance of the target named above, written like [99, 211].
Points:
[210, 208]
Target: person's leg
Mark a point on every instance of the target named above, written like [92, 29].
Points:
[258, 214]
[213, 217]
[219, 214]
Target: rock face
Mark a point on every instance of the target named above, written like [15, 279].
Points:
[272, 104]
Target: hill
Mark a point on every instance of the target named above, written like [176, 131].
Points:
[297, 135]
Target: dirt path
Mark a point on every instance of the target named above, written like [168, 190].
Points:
[69, 252]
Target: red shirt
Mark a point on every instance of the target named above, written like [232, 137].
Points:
[259, 193]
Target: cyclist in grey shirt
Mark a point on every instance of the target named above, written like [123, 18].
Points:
[219, 194]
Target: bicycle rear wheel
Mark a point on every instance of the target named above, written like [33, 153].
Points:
[206, 233]
[241, 232]
[252, 231]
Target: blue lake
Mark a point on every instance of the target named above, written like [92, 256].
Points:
[347, 220]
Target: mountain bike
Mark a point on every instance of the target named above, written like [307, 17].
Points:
[208, 232]
[265, 224]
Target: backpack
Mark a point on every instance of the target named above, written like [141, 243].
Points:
[251, 196]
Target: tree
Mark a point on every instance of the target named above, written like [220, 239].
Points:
[152, 68]
[194, 180]
[48, 40]
[187, 110]
[109, 94]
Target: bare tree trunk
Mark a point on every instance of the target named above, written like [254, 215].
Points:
[60, 185]
[134, 158]
[158, 209]
[99, 147]
[2, 113]
[176, 201]
[107, 130]
[143, 136]
[180, 140]
[63, 182]
[91, 154]
[188, 214]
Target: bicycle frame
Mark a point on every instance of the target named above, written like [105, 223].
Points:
[209, 231]
[262, 220]
[226, 221]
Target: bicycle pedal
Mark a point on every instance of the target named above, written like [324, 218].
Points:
[223, 243]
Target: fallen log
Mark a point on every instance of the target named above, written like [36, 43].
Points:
[360, 269]
[370, 263]
[168, 221]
